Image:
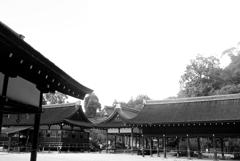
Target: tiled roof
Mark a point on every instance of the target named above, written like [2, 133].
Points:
[126, 111]
[53, 114]
[117, 118]
[190, 110]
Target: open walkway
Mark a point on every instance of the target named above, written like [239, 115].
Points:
[87, 157]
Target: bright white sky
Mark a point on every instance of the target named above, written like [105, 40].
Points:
[122, 48]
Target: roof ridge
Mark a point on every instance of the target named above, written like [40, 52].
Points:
[59, 105]
[195, 99]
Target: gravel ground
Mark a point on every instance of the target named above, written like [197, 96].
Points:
[87, 157]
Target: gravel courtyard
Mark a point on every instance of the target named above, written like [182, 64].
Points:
[86, 157]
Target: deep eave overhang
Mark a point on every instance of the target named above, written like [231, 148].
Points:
[19, 107]
[18, 55]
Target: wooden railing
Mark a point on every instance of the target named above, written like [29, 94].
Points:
[60, 146]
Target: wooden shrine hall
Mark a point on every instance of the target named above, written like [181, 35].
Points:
[215, 117]
[25, 74]
[116, 128]
[62, 127]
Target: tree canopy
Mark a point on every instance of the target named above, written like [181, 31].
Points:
[54, 98]
[204, 77]
[91, 104]
[134, 103]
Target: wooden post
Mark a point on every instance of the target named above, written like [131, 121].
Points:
[143, 146]
[136, 141]
[164, 146]
[4, 93]
[158, 154]
[107, 141]
[131, 141]
[151, 146]
[177, 140]
[9, 142]
[199, 148]
[115, 144]
[61, 136]
[222, 148]
[139, 141]
[36, 132]
[27, 140]
[129, 144]
[122, 141]
[188, 148]
[214, 149]
[146, 146]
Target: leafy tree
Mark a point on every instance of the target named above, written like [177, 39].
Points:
[91, 104]
[97, 136]
[56, 98]
[201, 78]
[134, 103]
[119, 102]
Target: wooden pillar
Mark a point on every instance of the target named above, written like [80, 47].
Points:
[158, 154]
[118, 135]
[151, 146]
[143, 146]
[164, 146]
[107, 141]
[222, 148]
[177, 140]
[36, 132]
[27, 139]
[18, 141]
[199, 148]
[122, 141]
[214, 148]
[188, 147]
[4, 93]
[35, 136]
[146, 146]
[129, 144]
[139, 141]
[9, 142]
[132, 141]
[61, 136]
[136, 141]
[115, 140]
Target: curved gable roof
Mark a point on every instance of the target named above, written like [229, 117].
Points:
[117, 118]
[190, 110]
